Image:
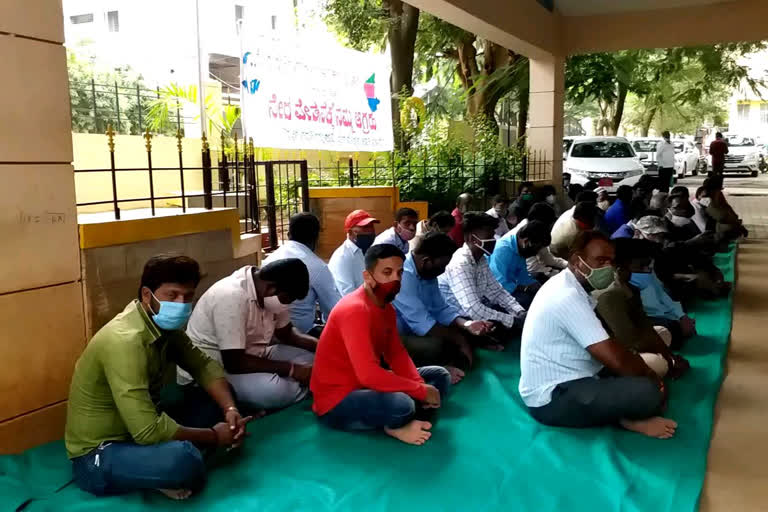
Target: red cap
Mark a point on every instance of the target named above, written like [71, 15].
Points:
[358, 218]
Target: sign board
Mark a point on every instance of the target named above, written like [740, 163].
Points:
[296, 96]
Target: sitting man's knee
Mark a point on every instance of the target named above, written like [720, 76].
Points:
[647, 395]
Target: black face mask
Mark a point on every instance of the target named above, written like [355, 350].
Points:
[364, 241]
[429, 272]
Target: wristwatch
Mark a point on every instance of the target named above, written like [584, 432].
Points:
[467, 324]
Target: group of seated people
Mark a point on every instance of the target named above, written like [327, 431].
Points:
[380, 334]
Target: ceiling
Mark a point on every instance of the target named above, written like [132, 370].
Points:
[591, 7]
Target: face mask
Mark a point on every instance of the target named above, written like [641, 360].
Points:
[603, 205]
[386, 292]
[598, 278]
[680, 221]
[641, 279]
[405, 234]
[527, 197]
[172, 315]
[705, 201]
[486, 245]
[364, 241]
[550, 199]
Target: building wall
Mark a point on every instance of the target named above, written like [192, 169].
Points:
[41, 307]
[749, 118]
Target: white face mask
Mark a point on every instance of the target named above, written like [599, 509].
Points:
[705, 201]
[680, 221]
[550, 199]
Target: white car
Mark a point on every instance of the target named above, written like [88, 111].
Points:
[686, 155]
[610, 161]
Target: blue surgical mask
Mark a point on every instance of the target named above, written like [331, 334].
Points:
[172, 315]
[641, 279]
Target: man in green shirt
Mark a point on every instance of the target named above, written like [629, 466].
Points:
[121, 434]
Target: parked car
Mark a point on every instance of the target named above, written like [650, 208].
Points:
[743, 155]
[610, 161]
[686, 158]
[645, 148]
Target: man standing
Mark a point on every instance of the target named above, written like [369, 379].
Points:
[468, 284]
[403, 230]
[303, 231]
[508, 261]
[235, 322]
[348, 260]
[564, 347]
[116, 417]
[718, 149]
[500, 211]
[432, 331]
[351, 389]
[665, 157]
[463, 203]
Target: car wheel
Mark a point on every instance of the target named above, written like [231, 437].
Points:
[685, 169]
[754, 174]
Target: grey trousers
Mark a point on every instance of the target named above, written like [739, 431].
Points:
[269, 390]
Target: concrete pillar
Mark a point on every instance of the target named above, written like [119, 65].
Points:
[41, 307]
[545, 122]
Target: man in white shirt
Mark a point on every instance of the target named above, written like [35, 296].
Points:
[468, 283]
[235, 322]
[499, 211]
[304, 231]
[565, 354]
[665, 158]
[348, 260]
[402, 231]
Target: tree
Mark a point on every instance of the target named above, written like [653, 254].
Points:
[161, 116]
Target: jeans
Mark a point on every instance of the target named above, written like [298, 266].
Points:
[257, 391]
[365, 409]
[593, 402]
[122, 467]
[434, 350]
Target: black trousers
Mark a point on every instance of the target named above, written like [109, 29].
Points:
[665, 178]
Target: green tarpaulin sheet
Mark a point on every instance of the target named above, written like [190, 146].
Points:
[486, 454]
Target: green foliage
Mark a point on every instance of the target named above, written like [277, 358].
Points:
[360, 24]
[162, 111]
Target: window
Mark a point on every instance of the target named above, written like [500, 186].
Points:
[764, 113]
[274, 22]
[81, 18]
[742, 111]
[239, 13]
[602, 149]
[113, 22]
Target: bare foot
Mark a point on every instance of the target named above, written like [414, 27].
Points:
[176, 494]
[456, 374]
[415, 432]
[657, 426]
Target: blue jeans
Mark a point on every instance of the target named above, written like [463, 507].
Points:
[592, 402]
[366, 409]
[122, 467]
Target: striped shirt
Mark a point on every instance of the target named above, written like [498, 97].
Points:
[469, 286]
[561, 324]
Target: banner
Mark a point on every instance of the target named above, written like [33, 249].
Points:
[303, 97]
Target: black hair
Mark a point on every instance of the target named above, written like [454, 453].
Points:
[436, 245]
[590, 185]
[589, 196]
[584, 238]
[304, 227]
[289, 275]
[714, 184]
[624, 193]
[637, 208]
[475, 221]
[628, 249]
[547, 190]
[585, 211]
[536, 232]
[574, 190]
[679, 191]
[718, 135]
[381, 252]
[526, 184]
[169, 268]
[520, 212]
[405, 212]
[699, 191]
[499, 198]
[542, 212]
[442, 219]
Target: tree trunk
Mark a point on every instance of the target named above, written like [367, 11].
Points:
[619, 112]
[647, 122]
[403, 27]
[523, 99]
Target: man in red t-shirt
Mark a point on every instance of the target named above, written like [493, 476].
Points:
[462, 206]
[718, 149]
[351, 389]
